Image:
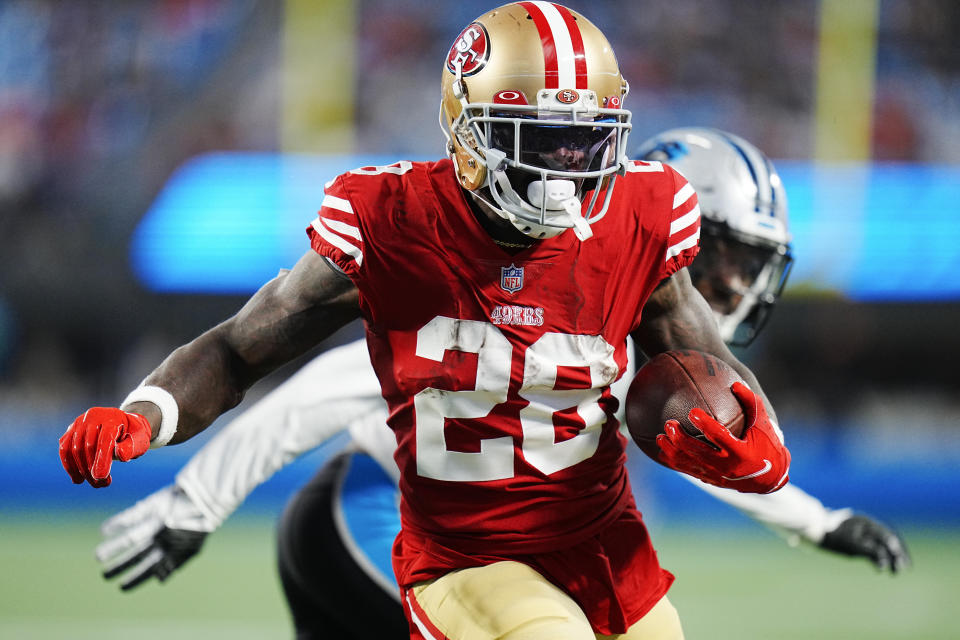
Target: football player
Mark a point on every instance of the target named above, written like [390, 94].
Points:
[741, 270]
[498, 288]
[344, 522]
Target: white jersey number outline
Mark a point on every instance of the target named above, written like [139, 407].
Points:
[495, 460]
[397, 168]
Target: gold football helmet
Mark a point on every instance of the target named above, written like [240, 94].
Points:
[532, 107]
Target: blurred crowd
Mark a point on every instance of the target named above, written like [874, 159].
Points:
[100, 101]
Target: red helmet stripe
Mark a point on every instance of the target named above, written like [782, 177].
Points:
[550, 62]
[564, 60]
[576, 38]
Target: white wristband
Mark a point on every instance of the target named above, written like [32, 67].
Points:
[169, 411]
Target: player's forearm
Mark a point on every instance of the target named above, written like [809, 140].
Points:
[791, 512]
[751, 381]
[205, 380]
[328, 394]
[677, 317]
[286, 317]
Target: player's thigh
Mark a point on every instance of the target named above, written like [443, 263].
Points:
[661, 623]
[504, 600]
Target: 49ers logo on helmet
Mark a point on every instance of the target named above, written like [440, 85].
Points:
[470, 50]
[567, 96]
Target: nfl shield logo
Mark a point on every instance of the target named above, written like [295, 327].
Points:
[511, 278]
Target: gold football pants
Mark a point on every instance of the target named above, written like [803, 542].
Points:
[511, 601]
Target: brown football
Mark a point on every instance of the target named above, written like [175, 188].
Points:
[670, 385]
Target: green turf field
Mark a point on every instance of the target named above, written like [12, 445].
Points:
[742, 584]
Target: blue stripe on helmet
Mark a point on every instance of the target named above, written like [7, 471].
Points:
[753, 171]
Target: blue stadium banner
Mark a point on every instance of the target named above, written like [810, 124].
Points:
[227, 222]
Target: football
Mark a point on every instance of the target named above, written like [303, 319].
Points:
[670, 385]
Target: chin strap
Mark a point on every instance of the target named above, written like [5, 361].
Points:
[495, 163]
[580, 226]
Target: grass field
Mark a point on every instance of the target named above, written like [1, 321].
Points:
[740, 583]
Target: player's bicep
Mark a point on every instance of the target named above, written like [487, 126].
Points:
[286, 317]
[676, 316]
[292, 313]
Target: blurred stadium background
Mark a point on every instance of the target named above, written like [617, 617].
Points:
[159, 159]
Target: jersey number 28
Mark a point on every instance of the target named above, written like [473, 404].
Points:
[541, 360]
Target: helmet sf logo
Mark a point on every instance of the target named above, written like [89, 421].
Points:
[567, 96]
[470, 50]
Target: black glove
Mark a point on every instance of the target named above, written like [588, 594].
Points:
[860, 535]
[170, 549]
[153, 538]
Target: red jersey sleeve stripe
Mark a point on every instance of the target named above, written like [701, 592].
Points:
[684, 194]
[690, 218]
[335, 202]
[685, 221]
[341, 228]
[678, 247]
[319, 225]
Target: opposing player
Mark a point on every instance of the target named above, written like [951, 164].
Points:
[498, 290]
[742, 267]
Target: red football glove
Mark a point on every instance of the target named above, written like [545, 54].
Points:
[95, 439]
[757, 463]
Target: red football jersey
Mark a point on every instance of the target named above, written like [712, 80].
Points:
[496, 366]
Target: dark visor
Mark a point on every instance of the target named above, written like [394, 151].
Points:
[557, 147]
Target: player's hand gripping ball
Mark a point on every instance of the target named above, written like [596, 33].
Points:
[692, 412]
[97, 438]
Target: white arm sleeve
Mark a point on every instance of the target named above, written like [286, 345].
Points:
[328, 395]
[791, 512]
